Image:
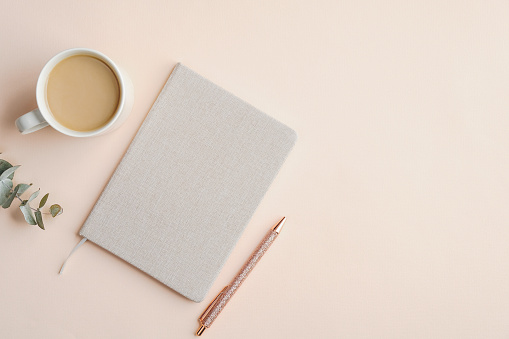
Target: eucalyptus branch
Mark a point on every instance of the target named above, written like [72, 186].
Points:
[33, 209]
[8, 192]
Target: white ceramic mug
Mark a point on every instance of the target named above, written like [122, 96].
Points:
[42, 117]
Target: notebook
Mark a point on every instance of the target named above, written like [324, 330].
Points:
[189, 183]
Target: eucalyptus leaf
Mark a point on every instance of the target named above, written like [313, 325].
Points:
[4, 191]
[23, 188]
[34, 195]
[27, 212]
[55, 210]
[43, 200]
[4, 164]
[7, 183]
[8, 173]
[8, 202]
[38, 219]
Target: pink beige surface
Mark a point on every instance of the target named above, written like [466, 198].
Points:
[396, 194]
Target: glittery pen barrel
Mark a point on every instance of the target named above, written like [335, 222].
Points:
[218, 304]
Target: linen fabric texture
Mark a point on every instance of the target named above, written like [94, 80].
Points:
[189, 183]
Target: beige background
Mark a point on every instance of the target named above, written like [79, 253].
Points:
[396, 194]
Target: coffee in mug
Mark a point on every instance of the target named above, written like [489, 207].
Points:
[81, 93]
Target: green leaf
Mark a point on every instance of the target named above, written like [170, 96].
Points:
[7, 183]
[34, 195]
[23, 188]
[38, 218]
[5, 189]
[43, 200]
[56, 210]
[9, 173]
[27, 212]
[4, 164]
[8, 202]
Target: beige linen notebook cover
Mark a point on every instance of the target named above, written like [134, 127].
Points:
[189, 183]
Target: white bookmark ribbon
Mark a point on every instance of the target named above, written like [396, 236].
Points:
[73, 250]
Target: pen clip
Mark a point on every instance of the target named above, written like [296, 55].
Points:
[212, 303]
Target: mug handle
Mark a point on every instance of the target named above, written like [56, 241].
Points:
[31, 122]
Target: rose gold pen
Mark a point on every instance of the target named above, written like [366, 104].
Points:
[217, 305]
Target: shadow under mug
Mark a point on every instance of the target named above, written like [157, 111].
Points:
[42, 117]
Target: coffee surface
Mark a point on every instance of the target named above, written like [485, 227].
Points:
[82, 93]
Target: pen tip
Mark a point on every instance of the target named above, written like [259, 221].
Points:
[277, 228]
[200, 330]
